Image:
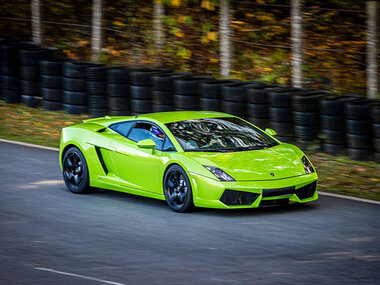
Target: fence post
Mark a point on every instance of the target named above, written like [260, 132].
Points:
[158, 14]
[36, 22]
[296, 38]
[96, 30]
[225, 38]
[371, 50]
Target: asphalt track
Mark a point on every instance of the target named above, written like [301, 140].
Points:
[51, 236]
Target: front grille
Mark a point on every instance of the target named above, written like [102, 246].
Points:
[237, 198]
[277, 202]
[307, 191]
[279, 191]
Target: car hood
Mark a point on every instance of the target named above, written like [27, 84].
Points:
[278, 162]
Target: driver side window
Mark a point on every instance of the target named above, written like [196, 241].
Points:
[143, 131]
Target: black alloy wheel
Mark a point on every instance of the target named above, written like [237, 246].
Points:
[177, 189]
[75, 171]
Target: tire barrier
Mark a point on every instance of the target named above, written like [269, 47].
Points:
[97, 90]
[375, 116]
[211, 94]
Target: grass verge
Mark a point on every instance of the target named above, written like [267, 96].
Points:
[336, 174]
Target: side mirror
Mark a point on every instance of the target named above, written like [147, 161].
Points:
[148, 143]
[270, 132]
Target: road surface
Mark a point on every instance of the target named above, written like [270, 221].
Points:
[51, 236]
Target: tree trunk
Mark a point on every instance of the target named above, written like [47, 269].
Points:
[371, 50]
[36, 22]
[296, 37]
[225, 38]
[96, 31]
[158, 11]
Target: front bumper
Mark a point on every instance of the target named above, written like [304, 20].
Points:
[300, 189]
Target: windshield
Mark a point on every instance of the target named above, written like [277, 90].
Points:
[219, 134]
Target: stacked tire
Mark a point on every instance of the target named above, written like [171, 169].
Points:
[141, 90]
[30, 74]
[234, 98]
[163, 91]
[375, 115]
[211, 94]
[51, 83]
[359, 129]
[306, 115]
[10, 70]
[187, 91]
[75, 86]
[257, 99]
[281, 112]
[97, 90]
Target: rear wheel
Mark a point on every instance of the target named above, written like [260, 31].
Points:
[75, 171]
[177, 190]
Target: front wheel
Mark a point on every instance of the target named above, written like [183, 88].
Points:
[75, 171]
[177, 190]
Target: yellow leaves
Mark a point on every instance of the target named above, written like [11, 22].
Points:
[179, 34]
[237, 22]
[213, 60]
[175, 3]
[267, 69]
[206, 4]
[184, 53]
[83, 43]
[211, 36]
[118, 23]
[69, 53]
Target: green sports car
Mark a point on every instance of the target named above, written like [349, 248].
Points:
[201, 159]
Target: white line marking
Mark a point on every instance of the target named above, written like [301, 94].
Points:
[77, 275]
[319, 192]
[30, 145]
[349, 197]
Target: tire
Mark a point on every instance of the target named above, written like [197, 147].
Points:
[141, 92]
[11, 51]
[119, 75]
[186, 101]
[359, 154]
[280, 114]
[96, 113]
[285, 139]
[376, 144]
[283, 129]
[163, 108]
[33, 56]
[74, 98]
[54, 66]
[77, 69]
[181, 186]
[209, 104]
[212, 89]
[358, 110]
[51, 81]
[257, 96]
[165, 81]
[334, 105]
[31, 73]
[376, 130]
[306, 102]
[375, 113]
[334, 149]
[261, 123]
[119, 103]
[97, 88]
[120, 112]
[31, 101]
[143, 77]
[189, 85]
[235, 108]
[9, 68]
[141, 106]
[358, 127]
[10, 82]
[51, 94]
[118, 90]
[98, 102]
[74, 84]
[235, 92]
[282, 97]
[51, 105]
[74, 164]
[333, 123]
[30, 87]
[258, 111]
[335, 137]
[163, 97]
[74, 109]
[97, 73]
[359, 141]
[306, 118]
[11, 96]
[306, 133]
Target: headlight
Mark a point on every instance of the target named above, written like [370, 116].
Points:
[307, 165]
[220, 174]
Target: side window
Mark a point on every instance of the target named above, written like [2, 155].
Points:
[143, 131]
[122, 128]
[168, 146]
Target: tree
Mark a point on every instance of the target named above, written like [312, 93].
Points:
[296, 37]
[225, 38]
[371, 50]
[158, 15]
[96, 30]
[36, 22]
